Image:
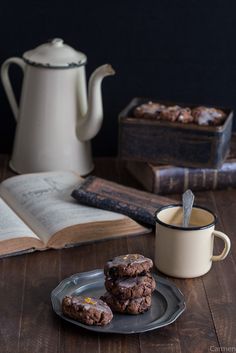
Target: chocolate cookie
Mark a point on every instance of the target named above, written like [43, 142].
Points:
[170, 113]
[90, 311]
[127, 306]
[208, 116]
[129, 265]
[148, 110]
[131, 287]
[185, 116]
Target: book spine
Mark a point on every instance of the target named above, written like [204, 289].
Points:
[171, 179]
[140, 214]
[139, 205]
[175, 179]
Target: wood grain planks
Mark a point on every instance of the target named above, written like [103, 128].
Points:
[28, 324]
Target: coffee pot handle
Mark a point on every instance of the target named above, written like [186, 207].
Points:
[7, 84]
[227, 246]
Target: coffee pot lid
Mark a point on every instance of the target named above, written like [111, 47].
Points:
[55, 54]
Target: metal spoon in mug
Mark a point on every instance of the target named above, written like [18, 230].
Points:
[188, 199]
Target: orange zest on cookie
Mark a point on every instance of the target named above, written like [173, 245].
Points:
[89, 301]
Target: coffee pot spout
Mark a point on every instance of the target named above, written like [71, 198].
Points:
[89, 125]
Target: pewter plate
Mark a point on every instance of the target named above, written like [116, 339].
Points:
[167, 303]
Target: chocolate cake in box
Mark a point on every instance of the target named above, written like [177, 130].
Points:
[173, 133]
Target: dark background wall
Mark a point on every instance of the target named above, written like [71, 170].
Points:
[173, 50]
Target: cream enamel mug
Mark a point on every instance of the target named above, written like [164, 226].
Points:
[186, 252]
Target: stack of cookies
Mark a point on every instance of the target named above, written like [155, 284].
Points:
[129, 284]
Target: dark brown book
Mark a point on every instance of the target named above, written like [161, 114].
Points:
[107, 195]
[169, 179]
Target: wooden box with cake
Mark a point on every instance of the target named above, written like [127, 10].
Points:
[181, 134]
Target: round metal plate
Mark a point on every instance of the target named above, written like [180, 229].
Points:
[167, 303]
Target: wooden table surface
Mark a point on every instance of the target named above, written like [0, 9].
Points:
[28, 324]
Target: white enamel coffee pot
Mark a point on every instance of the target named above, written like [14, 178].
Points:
[55, 121]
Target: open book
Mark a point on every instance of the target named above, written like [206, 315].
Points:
[37, 212]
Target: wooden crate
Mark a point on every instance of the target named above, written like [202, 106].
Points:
[175, 143]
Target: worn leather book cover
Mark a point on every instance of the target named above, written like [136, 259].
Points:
[138, 205]
[169, 179]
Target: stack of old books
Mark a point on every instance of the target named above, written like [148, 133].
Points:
[169, 149]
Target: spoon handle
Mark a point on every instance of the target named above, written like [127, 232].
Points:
[188, 199]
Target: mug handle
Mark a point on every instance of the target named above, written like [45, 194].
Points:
[227, 246]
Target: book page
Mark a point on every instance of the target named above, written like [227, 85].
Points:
[11, 226]
[43, 201]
